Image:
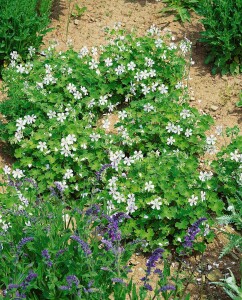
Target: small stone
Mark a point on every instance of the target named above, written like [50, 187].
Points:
[209, 267]
[214, 107]
[192, 98]
[76, 22]
[215, 275]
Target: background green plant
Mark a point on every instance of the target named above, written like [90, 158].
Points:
[222, 35]
[23, 23]
[182, 8]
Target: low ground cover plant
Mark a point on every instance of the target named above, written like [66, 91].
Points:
[223, 42]
[23, 24]
[151, 168]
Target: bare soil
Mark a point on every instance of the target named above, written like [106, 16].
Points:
[216, 95]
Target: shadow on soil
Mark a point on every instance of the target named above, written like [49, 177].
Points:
[57, 9]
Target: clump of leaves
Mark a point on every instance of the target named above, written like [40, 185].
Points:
[181, 8]
[23, 24]
[224, 42]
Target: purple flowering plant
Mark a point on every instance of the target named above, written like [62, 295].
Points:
[57, 251]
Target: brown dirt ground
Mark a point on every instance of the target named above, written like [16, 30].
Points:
[216, 95]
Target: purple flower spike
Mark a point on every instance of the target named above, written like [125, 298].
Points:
[72, 279]
[84, 245]
[46, 255]
[167, 287]
[28, 279]
[103, 168]
[148, 287]
[192, 232]
[23, 242]
[117, 280]
[156, 255]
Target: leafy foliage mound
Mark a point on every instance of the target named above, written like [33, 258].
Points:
[23, 24]
[148, 165]
[224, 42]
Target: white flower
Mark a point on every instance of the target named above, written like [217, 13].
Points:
[138, 155]
[156, 203]
[211, 149]
[131, 66]
[20, 69]
[31, 50]
[110, 206]
[93, 64]
[185, 113]
[71, 88]
[205, 175]
[149, 62]
[108, 62]
[172, 46]
[148, 107]
[170, 140]
[106, 124]
[149, 186]
[144, 74]
[203, 195]
[128, 161]
[61, 117]
[235, 155]
[91, 103]
[152, 73]
[30, 119]
[145, 89]
[68, 174]
[95, 137]
[42, 146]
[18, 135]
[119, 197]
[7, 170]
[18, 173]
[211, 140]
[158, 43]
[219, 130]
[170, 127]
[193, 200]
[5, 226]
[179, 85]
[94, 51]
[77, 95]
[163, 89]
[178, 129]
[188, 132]
[51, 114]
[163, 56]
[120, 69]
[122, 114]
[14, 55]
[20, 124]
[48, 79]
[83, 52]
[103, 100]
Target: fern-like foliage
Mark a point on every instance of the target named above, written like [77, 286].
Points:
[235, 239]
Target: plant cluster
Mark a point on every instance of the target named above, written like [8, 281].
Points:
[61, 252]
[182, 8]
[150, 167]
[223, 41]
[23, 24]
[58, 252]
